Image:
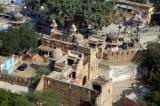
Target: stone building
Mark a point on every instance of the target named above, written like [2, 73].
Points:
[138, 10]
[74, 67]
[98, 94]
[18, 19]
[16, 2]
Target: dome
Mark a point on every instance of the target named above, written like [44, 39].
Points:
[73, 28]
[57, 53]
[18, 16]
[54, 24]
[78, 36]
[112, 37]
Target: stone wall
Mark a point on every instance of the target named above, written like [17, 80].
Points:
[105, 97]
[65, 46]
[123, 56]
[72, 95]
[16, 80]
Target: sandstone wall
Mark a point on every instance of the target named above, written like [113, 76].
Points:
[105, 97]
[123, 56]
[16, 80]
[73, 95]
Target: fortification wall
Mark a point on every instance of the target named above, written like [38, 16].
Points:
[73, 95]
[16, 80]
[123, 56]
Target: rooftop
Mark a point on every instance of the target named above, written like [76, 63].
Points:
[136, 4]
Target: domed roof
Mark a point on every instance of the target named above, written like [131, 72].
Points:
[18, 16]
[73, 28]
[54, 24]
[78, 36]
[112, 37]
[57, 53]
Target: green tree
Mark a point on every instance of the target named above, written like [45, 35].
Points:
[10, 42]
[1, 43]
[152, 61]
[19, 101]
[18, 39]
[40, 70]
[157, 4]
[46, 98]
[82, 12]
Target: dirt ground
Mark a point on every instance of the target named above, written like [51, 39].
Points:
[27, 73]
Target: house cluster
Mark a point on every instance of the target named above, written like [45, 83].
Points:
[82, 62]
[83, 69]
[135, 10]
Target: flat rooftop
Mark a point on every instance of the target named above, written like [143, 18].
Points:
[136, 4]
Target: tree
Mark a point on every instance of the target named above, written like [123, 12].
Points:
[40, 70]
[1, 43]
[82, 12]
[157, 4]
[19, 101]
[10, 42]
[152, 61]
[18, 39]
[46, 98]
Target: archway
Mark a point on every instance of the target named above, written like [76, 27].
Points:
[84, 80]
[12, 1]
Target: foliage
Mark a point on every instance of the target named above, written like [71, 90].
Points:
[10, 99]
[40, 70]
[18, 39]
[157, 4]
[82, 12]
[151, 99]
[1, 43]
[47, 98]
[152, 62]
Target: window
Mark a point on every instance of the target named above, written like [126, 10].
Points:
[109, 91]
[97, 88]
[70, 61]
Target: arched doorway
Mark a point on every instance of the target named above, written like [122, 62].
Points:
[84, 80]
[12, 1]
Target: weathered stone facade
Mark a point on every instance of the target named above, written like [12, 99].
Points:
[123, 57]
[74, 95]
[16, 80]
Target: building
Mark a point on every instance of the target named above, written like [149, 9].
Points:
[7, 65]
[99, 94]
[74, 67]
[140, 11]
[16, 2]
